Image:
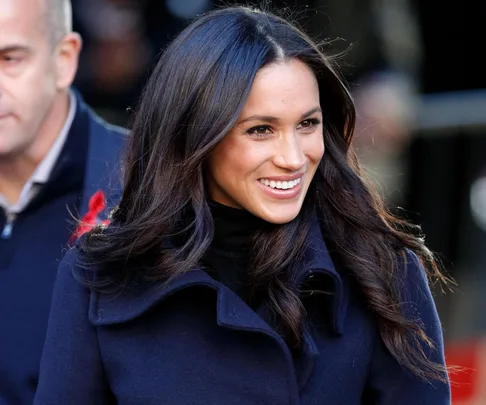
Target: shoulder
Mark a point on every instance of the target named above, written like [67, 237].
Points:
[416, 298]
[388, 380]
[71, 296]
[74, 269]
[70, 267]
[415, 279]
[101, 131]
[96, 123]
[114, 133]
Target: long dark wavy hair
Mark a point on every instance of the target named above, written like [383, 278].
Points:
[191, 101]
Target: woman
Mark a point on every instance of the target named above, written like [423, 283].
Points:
[247, 261]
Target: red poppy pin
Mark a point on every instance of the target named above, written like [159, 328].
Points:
[97, 204]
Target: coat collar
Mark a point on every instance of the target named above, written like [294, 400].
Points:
[317, 260]
[68, 173]
[232, 312]
[103, 171]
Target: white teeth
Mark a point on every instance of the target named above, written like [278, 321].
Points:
[282, 185]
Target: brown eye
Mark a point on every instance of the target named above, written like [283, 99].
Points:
[9, 59]
[260, 130]
[309, 124]
[12, 63]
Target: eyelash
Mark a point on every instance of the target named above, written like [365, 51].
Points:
[10, 59]
[314, 122]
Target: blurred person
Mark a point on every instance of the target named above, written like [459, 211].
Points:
[115, 56]
[122, 40]
[466, 320]
[478, 201]
[247, 262]
[54, 155]
[450, 144]
[381, 52]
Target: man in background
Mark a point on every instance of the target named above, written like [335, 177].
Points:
[55, 153]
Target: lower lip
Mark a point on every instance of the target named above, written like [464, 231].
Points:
[282, 194]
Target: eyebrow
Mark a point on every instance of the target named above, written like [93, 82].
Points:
[268, 118]
[15, 48]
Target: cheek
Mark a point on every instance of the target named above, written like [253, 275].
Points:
[313, 147]
[43, 70]
[33, 88]
[236, 160]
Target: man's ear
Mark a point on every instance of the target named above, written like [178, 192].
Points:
[67, 57]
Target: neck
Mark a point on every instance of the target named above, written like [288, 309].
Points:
[233, 228]
[16, 170]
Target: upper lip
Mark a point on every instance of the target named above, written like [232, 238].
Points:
[284, 178]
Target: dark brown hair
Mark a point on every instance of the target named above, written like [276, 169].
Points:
[191, 101]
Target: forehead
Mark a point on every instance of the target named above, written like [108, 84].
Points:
[20, 21]
[288, 84]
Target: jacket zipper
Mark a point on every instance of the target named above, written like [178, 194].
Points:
[8, 227]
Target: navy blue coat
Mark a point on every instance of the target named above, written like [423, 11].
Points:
[30, 255]
[195, 342]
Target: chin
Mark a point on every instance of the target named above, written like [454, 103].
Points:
[6, 150]
[280, 215]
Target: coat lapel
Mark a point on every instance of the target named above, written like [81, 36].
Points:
[318, 261]
[232, 312]
[103, 170]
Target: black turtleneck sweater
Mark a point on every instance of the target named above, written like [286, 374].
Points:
[227, 259]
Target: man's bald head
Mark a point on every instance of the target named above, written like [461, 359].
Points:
[41, 54]
[57, 18]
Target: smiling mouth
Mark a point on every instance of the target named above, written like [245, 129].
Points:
[281, 185]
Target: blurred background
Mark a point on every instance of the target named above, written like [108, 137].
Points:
[418, 75]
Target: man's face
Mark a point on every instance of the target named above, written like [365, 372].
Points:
[28, 74]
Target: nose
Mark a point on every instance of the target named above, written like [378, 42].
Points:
[290, 155]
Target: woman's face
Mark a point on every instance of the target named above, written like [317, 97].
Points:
[267, 161]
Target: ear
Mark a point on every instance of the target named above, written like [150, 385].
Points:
[67, 56]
